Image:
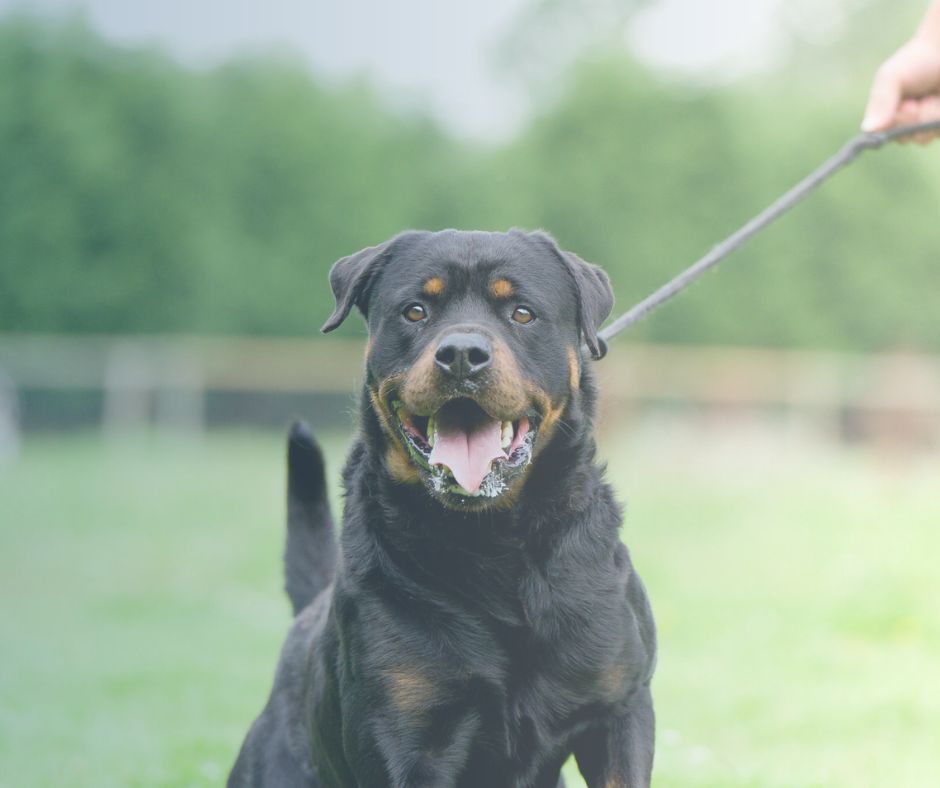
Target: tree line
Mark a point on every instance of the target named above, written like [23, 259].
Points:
[137, 195]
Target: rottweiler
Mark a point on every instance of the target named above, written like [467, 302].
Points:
[480, 620]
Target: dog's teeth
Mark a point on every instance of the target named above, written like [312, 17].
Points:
[432, 432]
[507, 434]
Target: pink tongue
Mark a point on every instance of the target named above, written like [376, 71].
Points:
[468, 454]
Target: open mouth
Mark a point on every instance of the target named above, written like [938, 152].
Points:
[464, 450]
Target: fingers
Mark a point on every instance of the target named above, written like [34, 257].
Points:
[906, 89]
[928, 109]
[887, 108]
[914, 111]
[882, 102]
[908, 113]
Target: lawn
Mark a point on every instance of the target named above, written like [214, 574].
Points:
[797, 595]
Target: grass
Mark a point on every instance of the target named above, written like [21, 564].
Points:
[797, 596]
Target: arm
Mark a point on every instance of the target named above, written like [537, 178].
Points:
[906, 88]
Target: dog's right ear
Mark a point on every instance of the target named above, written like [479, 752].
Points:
[351, 279]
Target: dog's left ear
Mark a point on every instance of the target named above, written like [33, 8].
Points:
[595, 300]
[351, 279]
[594, 293]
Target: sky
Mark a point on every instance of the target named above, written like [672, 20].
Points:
[431, 53]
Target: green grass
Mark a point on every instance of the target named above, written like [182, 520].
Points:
[797, 596]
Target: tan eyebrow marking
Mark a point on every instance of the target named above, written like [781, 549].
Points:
[501, 288]
[434, 286]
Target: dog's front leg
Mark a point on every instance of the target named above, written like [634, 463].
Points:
[619, 753]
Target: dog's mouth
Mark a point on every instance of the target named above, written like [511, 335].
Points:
[465, 452]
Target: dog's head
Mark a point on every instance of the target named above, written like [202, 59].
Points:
[474, 352]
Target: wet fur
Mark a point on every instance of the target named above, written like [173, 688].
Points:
[450, 648]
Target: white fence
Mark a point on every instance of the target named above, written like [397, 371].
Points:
[165, 379]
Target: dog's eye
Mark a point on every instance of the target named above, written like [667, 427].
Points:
[522, 314]
[415, 313]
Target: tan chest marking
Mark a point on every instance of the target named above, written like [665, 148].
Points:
[410, 692]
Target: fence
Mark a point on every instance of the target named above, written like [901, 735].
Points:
[168, 380]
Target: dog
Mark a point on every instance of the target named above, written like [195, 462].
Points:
[480, 620]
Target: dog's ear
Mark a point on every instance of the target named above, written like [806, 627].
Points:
[595, 300]
[594, 293]
[351, 279]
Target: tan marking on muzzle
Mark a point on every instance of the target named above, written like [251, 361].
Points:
[551, 416]
[501, 288]
[397, 461]
[425, 389]
[379, 398]
[419, 388]
[506, 395]
[400, 466]
[433, 286]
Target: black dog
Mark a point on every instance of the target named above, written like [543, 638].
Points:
[485, 621]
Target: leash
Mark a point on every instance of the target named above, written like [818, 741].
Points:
[852, 149]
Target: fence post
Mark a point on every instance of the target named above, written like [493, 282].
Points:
[127, 389]
[181, 396]
[9, 421]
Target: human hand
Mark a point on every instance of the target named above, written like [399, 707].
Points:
[906, 89]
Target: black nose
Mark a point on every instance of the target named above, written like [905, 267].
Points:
[463, 354]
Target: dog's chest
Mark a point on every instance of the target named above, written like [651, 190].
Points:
[560, 669]
[530, 717]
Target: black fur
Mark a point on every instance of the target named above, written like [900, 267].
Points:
[478, 647]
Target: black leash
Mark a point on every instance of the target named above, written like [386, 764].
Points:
[848, 154]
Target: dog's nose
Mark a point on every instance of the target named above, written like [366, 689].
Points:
[464, 354]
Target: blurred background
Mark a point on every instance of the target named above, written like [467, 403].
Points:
[176, 180]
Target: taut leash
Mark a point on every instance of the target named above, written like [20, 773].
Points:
[852, 149]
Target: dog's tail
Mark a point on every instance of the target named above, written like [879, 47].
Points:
[310, 553]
